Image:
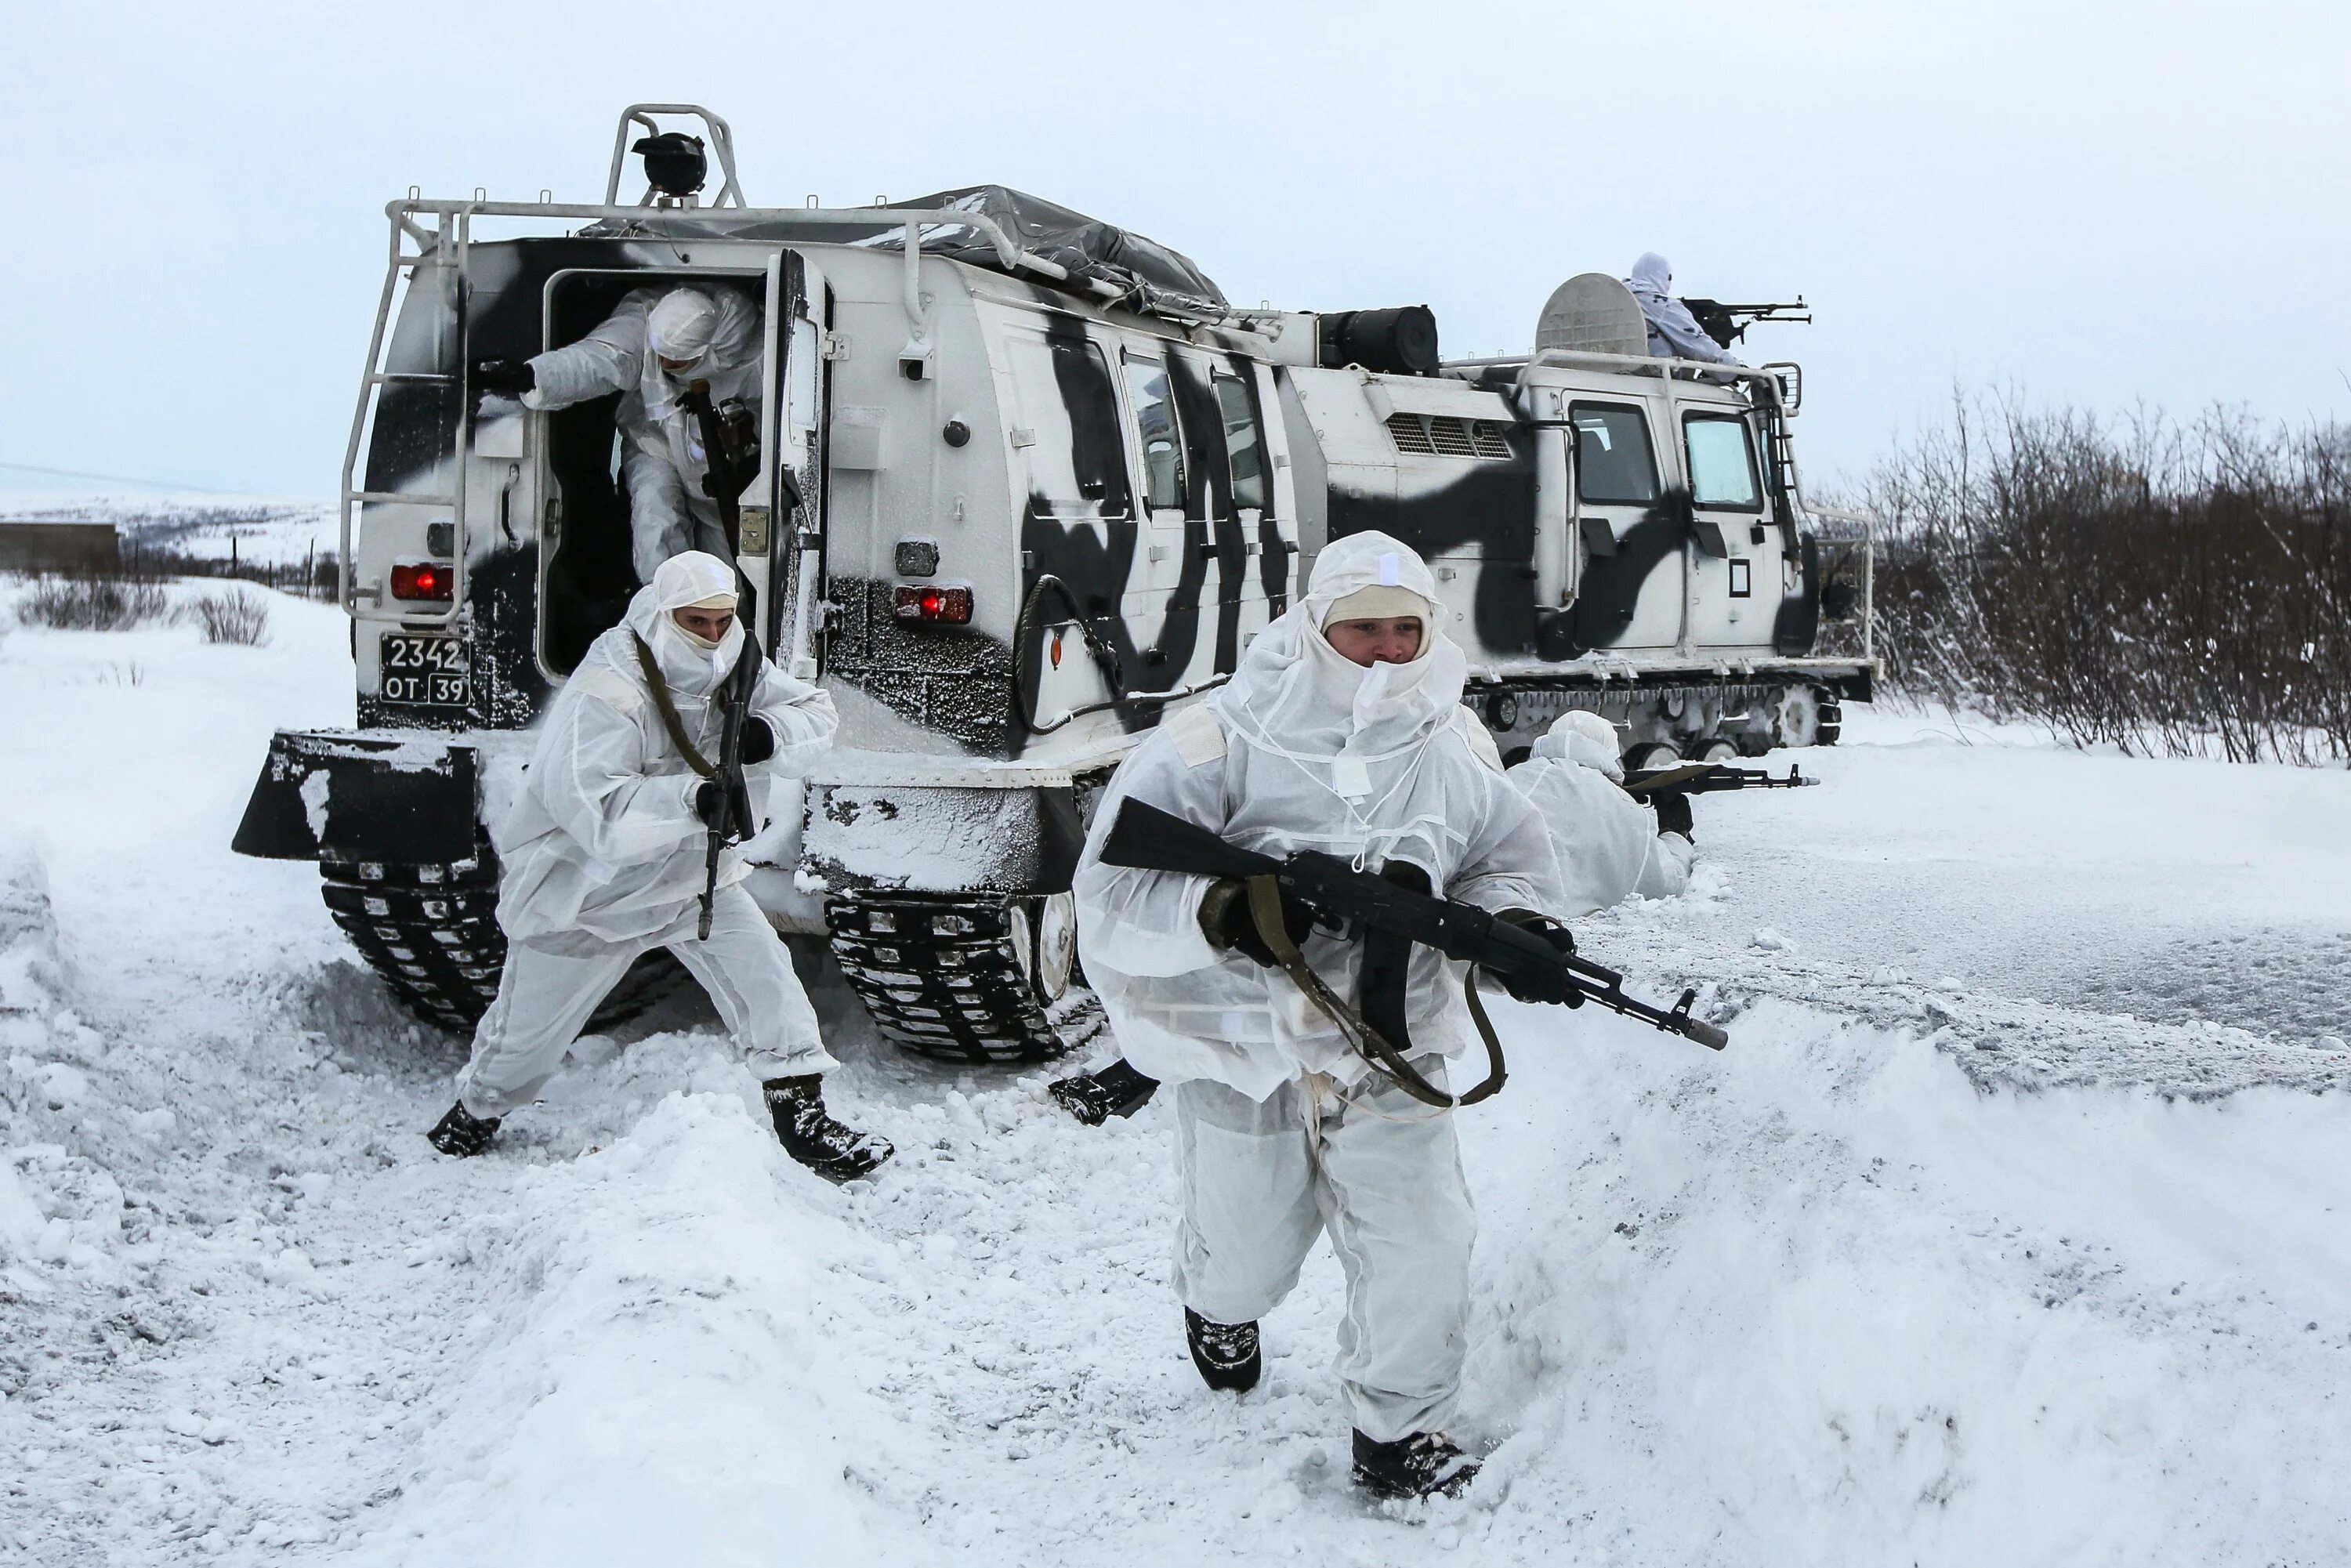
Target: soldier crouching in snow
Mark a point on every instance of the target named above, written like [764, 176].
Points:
[1342, 731]
[605, 860]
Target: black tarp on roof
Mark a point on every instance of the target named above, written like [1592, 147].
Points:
[1088, 247]
[1148, 276]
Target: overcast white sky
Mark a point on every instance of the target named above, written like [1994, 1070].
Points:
[2100, 203]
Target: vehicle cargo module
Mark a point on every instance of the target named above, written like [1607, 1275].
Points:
[1027, 483]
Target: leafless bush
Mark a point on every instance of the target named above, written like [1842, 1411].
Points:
[237, 616]
[92, 603]
[2136, 583]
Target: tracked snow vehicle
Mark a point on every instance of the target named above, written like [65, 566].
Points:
[1028, 482]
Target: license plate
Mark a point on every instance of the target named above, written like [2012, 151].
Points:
[436, 670]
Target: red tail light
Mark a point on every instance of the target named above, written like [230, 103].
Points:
[940, 606]
[426, 580]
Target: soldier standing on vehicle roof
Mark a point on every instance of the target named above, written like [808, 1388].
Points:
[1343, 731]
[654, 346]
[1611, 846]
[1673, 332]
[604, 855]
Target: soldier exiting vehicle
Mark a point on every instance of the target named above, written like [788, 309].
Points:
[605, 859]
[1342, 731]
[656, 345]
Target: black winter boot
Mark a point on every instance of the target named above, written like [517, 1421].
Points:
[1421, 1465]
[1117, 1090]
[463, 1133]
[809, 1133]
[1227, 1353]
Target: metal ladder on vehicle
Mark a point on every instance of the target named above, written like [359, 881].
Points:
[444, 249]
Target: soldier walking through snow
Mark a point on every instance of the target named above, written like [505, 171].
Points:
[1342, 731]
[605, 860]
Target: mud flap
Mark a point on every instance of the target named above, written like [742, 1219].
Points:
[352, 797]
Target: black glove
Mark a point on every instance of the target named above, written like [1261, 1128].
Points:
[1542, 986]
[1226, 920]
[509, 378]
[758, 740]
[1674, 813]
[719, 814]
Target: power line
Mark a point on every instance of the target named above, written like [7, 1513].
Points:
[121, 479]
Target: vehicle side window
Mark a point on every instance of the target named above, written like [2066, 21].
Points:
[1721, 462]
[1244, 447]
[1614, 459]
[1155, 417]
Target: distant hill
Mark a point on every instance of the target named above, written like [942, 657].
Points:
[265, 530]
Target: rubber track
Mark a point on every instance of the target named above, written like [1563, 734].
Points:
[939, 975]
[432, 934]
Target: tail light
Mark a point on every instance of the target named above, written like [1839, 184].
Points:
[938, 606]
[427, 580]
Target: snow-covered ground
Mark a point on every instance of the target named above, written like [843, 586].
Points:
[2011, 1229]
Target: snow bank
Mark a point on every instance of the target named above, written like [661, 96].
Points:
[652, 1382]
[1822, 1300]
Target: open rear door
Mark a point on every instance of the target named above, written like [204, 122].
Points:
[782, 544]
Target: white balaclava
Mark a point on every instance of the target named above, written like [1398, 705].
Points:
[691, 581]
[1354, 731]
[1583, 738]
[1653, 275]
[681, 327]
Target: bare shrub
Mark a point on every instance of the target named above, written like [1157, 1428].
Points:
[92, 603]
[237, 616]
[2136, 583]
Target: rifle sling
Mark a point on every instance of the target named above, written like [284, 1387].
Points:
[1264, 909]
[663, 705]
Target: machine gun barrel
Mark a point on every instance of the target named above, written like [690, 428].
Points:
[1728, 324]
[1145, 838]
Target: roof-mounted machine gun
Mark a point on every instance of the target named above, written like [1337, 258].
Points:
[1728, 324]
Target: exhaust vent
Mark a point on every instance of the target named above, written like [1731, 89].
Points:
[1448, 436]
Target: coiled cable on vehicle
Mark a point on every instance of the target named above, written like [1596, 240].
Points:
[1105, 658]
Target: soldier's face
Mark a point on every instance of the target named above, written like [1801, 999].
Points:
[710, 625]
[1386, 640]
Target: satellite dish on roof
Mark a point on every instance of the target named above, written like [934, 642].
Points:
[1594, 313]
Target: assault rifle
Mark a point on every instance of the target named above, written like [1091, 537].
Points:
[1148, 839]
[1687, 779]
[1728, 324]
[730, 445]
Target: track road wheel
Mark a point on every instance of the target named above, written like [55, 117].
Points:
[1650, 754]
[959, 977]
[1796, 717]
[432, 933]
[1831, 724]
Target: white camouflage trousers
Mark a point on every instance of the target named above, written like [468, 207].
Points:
[550, 986]
[1377, 1170]
[665, 517]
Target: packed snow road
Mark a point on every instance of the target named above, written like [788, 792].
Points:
[1946, 1260]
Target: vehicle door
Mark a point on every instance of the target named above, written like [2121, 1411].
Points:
[1164, 601]
[1225, 503]
[1630, 531]
[1735, 559]
[782, 542]
[1080, 535]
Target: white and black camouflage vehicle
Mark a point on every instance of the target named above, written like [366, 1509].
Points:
[1027, 482]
